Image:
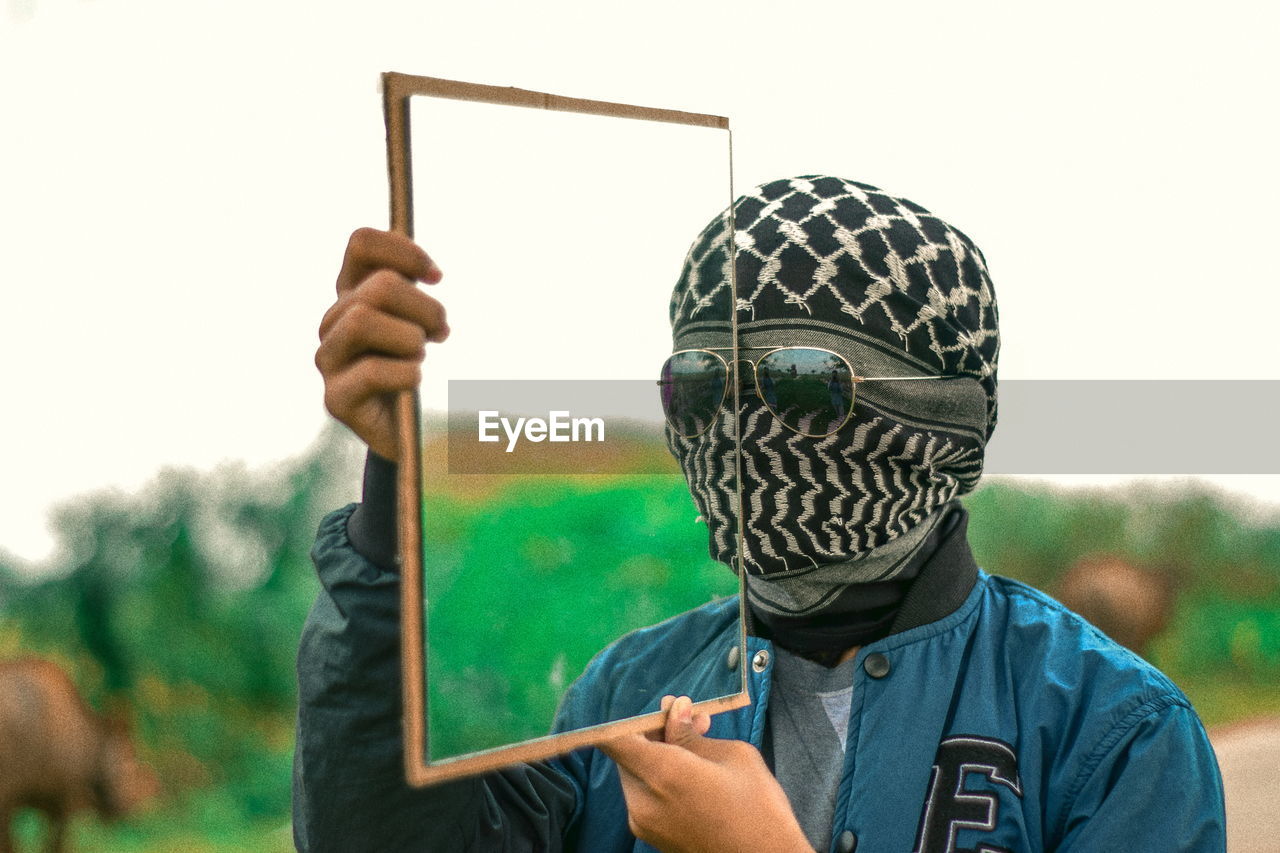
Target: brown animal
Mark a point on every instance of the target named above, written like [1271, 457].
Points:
[1130, 604]
[58, 756]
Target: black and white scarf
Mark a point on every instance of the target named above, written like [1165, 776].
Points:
[836, 264]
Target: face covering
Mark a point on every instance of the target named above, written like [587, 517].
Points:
[840, 265]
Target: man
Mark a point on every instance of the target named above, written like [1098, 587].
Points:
[901, 698]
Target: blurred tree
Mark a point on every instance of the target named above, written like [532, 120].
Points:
[188, 598]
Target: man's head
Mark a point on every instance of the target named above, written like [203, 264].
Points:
[842, 266]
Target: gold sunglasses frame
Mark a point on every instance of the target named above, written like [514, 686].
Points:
[731, 378]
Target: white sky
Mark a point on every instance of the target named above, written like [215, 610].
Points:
[177, 181]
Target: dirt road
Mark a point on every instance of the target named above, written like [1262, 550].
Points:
[1249, 755]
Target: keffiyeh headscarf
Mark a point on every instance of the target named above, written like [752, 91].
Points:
[841, 265]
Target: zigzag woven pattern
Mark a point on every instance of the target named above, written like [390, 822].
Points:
[879, 278]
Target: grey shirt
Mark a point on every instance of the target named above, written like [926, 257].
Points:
[808, 722]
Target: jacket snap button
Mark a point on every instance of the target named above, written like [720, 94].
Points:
[876, 665]
[731, 662]
[848, 842]
[760, 661]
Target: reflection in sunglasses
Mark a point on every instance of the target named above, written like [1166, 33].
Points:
[808, 389]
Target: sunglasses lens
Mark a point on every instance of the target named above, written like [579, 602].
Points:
[692, 386]
[809, 390]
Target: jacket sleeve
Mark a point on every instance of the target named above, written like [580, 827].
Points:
[1151, 785]
[349, 792]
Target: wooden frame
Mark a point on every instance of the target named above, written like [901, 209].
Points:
[397, 89]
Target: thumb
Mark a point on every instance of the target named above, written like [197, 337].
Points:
[684, 727]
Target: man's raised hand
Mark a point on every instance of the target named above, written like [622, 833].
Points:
[373, 338]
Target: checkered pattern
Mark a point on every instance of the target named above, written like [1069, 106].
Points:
[819, 254]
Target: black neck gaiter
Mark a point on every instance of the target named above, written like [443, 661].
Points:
[851, 614]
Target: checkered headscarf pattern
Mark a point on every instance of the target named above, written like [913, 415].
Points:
[824, 247]
[828, 262]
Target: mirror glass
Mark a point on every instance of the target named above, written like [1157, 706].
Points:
[555, 518]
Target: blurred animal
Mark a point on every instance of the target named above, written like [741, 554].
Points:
[58, 756]
[1129, 604]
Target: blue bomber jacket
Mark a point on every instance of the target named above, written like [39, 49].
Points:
[990, 719]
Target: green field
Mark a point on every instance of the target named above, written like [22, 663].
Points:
[186, 601]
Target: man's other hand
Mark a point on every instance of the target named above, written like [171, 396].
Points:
[373, 338]
[692, 794]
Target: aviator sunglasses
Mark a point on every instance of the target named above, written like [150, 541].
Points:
[809, 390]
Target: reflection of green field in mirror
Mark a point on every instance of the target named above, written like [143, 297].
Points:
[562, 234]
[525, 587]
